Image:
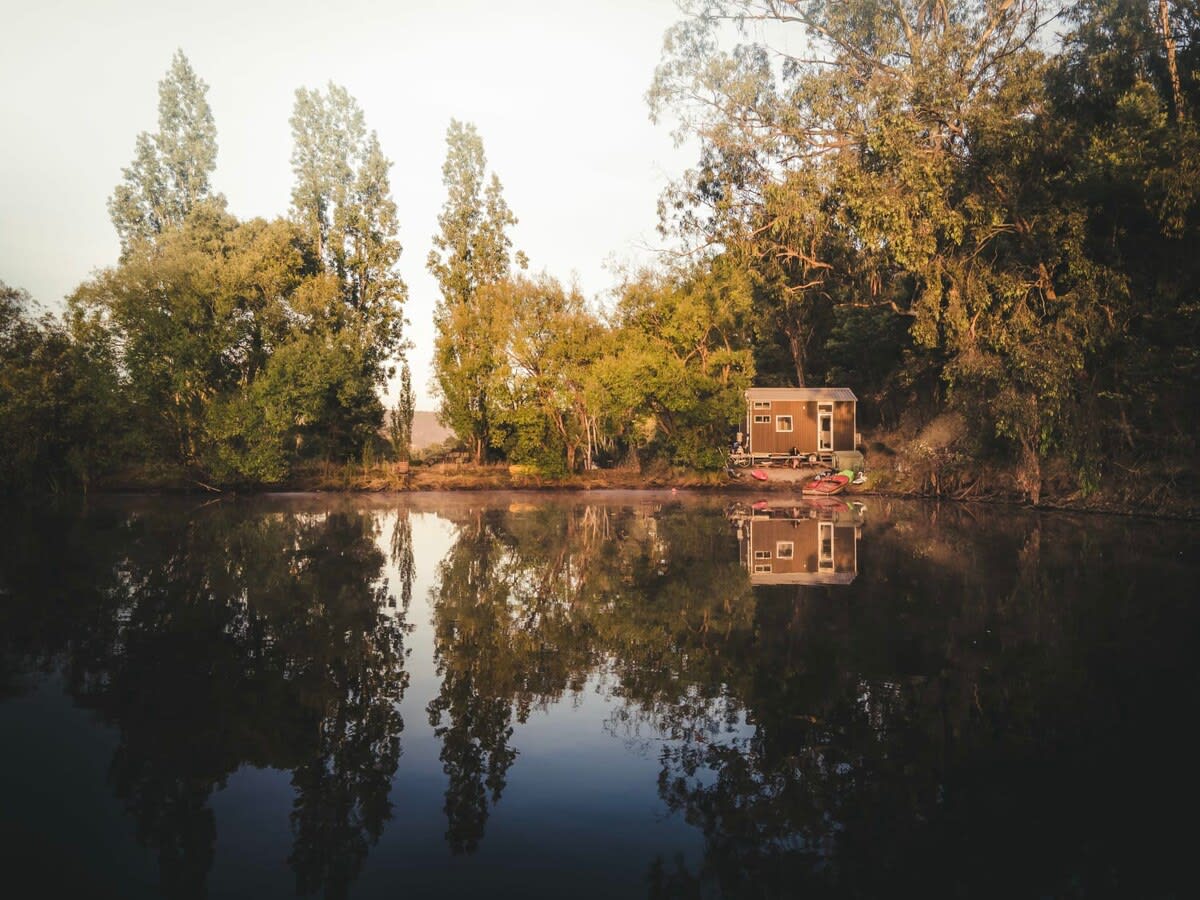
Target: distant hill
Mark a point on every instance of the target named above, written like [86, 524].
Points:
[427, 431]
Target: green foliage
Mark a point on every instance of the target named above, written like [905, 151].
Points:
[527, 437]
[471, 250]
[342, 201]
[244, 346]
[931, 202]
[681, 362]
[400, 417]
[60, 407]
[169, 175]
[552, 342]
[1031, 217]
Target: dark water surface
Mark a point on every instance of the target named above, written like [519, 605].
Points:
[622, 695]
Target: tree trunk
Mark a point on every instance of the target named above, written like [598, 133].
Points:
[797, 347]
[1164, 27]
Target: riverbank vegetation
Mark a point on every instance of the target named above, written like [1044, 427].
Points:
[982, 217]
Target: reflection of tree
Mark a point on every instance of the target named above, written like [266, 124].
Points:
[354, 654]
[950, 721]
[980, 695]
[530, 602]
[472, 713]
[402, 557]
[234, 636]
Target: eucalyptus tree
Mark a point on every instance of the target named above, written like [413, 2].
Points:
[471, 249]
[1124, 93]
[885, 155]
[170, 171]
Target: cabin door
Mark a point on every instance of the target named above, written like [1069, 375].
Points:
[825, 427]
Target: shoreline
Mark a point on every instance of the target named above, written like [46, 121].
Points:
[467, 479]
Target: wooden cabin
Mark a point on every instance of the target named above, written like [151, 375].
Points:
[813, 423]
[799, 548]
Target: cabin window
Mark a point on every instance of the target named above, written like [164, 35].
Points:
[762, 404]
[762, 420]
[785, 549]
[783, 423]
[762, 554]
[766, 568]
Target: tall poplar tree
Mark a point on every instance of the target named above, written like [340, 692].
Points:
[170, 171]
[400, 417]
[342, 200]
[471, 251]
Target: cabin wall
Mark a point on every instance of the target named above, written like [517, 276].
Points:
[766, 438]
[843, 425]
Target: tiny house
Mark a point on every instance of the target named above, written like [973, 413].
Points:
[814, 423]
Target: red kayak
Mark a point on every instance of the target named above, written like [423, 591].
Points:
[825, 487]
[758, 474]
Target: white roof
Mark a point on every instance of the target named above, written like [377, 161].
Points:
[821, 393]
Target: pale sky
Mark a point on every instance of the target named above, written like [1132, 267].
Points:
[556, 89]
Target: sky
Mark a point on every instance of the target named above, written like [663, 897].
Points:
[556, 89]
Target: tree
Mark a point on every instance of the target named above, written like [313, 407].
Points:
[342, 200]
[170, 171]
[60, 399]
[400, 417]
[544, 404]
[195, 317]
[895, 163]
[1126, 155]
[471, 250]
[681, 360]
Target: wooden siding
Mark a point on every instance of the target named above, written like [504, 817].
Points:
[843, 426]
[764, 438]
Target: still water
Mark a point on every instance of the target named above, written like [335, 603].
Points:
[609, 695]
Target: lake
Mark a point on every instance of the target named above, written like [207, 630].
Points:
[594, 695]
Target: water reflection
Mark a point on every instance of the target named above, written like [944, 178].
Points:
[531, 600]
[927, 698]
[801, 541]
[220, 639]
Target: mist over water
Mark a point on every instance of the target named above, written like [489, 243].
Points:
[600, 695]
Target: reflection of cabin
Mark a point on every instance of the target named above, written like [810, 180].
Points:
[811, 422]
[799, 546]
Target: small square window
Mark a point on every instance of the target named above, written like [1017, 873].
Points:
[762, 420]
[785, 549]
[762, 554]
[783, 423]
[765, 568]
[762, 404]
